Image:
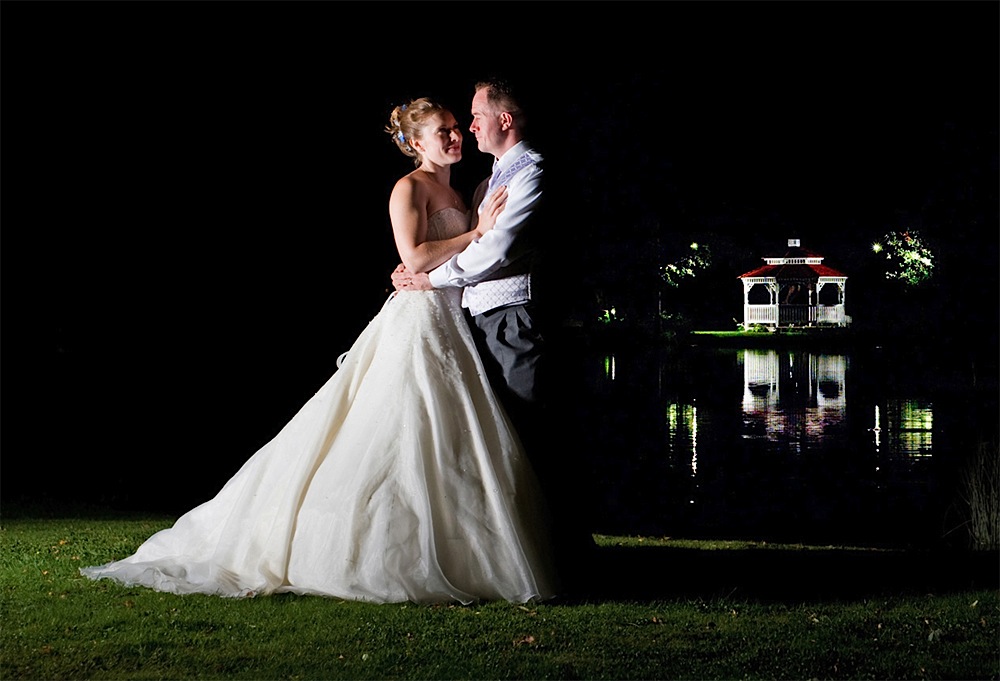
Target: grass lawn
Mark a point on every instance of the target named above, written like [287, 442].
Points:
[647, 608]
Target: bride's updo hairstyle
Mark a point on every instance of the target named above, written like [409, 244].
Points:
[405, 123]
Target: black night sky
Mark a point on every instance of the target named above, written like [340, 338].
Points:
[194, 194]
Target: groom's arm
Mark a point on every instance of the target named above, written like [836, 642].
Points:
[405, 280]
[502, 244]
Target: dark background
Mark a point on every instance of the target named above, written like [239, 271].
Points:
[194, 194]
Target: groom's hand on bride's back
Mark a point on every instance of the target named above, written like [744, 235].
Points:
[404, 280]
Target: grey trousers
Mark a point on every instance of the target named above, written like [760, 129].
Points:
[511, 345]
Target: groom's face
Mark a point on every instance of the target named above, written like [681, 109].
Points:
[485, 124]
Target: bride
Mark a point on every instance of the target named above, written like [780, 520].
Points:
[402, 478]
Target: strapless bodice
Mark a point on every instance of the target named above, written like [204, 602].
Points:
[446, 223]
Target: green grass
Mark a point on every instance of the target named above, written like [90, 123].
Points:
[657, 608]
[806, 336]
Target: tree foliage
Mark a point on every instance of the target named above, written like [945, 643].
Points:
[697, 260]
[908, 258]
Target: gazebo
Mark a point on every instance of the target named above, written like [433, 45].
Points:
[794, 289]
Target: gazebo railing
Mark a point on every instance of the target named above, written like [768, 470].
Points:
[832, 314]
[760, 314]
[799, 315]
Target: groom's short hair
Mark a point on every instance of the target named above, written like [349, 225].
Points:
[503, 95]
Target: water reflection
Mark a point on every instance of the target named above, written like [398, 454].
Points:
[760, 442]
[793, 398]
[908, 428]
[682, 430]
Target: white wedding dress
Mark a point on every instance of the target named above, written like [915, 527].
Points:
[402, 479]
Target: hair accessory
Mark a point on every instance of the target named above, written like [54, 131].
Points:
[402, 107]
[401, 137]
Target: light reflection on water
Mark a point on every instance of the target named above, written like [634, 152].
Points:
[792, 398]
[908, 428]
[787, 444]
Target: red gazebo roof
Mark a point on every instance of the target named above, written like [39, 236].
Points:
[793, 272]
[785, 270]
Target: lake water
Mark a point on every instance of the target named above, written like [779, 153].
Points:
[860, 446]
[780, 444]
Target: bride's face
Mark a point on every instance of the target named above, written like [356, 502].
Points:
[442, 139]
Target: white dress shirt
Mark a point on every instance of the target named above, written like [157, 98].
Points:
[495, 268]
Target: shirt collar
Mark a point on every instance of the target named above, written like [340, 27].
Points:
[511, 155]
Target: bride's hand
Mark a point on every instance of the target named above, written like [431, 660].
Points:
[400, 276]
[494, 206]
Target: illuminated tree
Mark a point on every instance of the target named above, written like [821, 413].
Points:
[907, 258]
[688, 267]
